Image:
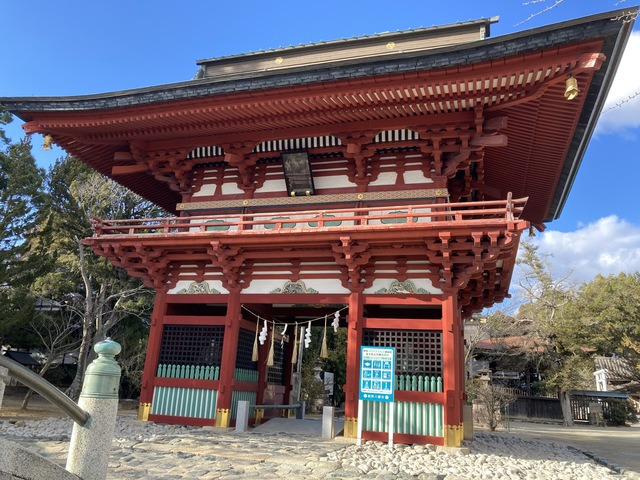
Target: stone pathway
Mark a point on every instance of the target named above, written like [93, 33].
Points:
[163, 452]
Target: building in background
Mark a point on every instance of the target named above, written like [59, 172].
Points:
[387, 178]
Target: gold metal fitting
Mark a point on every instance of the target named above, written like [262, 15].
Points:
[48, 141]
[571, 90]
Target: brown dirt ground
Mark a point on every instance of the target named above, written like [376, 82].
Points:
[40, 408]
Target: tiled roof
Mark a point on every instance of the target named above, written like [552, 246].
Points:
[618, 369]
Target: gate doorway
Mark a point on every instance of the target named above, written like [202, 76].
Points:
[301, 354]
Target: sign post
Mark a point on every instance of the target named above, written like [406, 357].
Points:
[377, 367]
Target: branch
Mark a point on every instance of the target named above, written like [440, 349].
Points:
[622, 102]
[533, 15]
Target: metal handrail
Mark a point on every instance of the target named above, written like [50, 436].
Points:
[46, 389]
[292, 406]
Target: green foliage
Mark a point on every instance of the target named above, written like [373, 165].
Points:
[17, 308]
[607, 312]
[20, 199]
[337, 361]
[618, 411]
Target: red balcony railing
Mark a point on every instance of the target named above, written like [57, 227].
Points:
[375, 217]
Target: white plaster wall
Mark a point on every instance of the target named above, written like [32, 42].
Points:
[205, 191]
[200, 221]
[276, 185]
[414, 177]
[298, 224]
[384, 178]
[230, 187]
[320, 284]
[334, 181]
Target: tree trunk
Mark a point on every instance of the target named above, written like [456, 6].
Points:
[87, 327]
[565, 404]
[83, 353]
[27, 397]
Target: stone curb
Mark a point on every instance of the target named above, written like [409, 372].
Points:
[606, 463]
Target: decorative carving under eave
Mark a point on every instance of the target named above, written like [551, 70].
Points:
[354, 256]
[398, 287]
[239, 155]
[149, 264]
[169, 166]
[457, 270]
[294, 287]
[235, 268]
[198, 288]
[359, 148]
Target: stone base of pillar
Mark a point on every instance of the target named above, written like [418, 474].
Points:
[90, 445]
[4, 373]
[350, 427]
[223, 417]
[143, 411]
[453, 435]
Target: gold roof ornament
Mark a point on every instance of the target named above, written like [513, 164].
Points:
[571, 90]
[48, 141]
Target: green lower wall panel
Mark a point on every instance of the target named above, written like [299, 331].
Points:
[184, 402]
[242, 396]
[409, 417]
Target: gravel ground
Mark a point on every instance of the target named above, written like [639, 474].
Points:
[147, 450]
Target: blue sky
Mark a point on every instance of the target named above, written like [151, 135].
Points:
[81, 47]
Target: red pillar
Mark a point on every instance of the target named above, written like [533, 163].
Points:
[453, 370]
[153, 354]
[354, 341]
[228, 366]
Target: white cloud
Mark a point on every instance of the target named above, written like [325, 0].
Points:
[626, 84]
[608, 246]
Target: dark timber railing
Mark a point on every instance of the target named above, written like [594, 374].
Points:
[47, 390]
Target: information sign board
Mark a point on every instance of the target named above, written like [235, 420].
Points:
[377, 366]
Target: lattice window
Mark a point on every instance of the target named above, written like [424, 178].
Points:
[418, 352]
[191, 345]
[245, 350]
[275, 373]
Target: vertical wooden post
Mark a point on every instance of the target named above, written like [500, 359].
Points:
[227, 368]
[453, 371]
[263, 352]
[354, 341]
[288, 369]
[153, 354]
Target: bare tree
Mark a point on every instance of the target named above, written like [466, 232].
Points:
[55, 330]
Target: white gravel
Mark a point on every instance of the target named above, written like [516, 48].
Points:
[147, 450]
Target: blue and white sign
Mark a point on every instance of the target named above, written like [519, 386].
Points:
[377, 365]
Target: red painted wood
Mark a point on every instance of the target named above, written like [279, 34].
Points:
[153, 348]
[452, 360]
[422, 397]
[220, 299]
[245, 386]
[413, 299]
[186, 383]
[286, 298]
[229, 350]
[173, 420]
[402, 324]
[193, 320]
[404, 438]
[354, 341]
